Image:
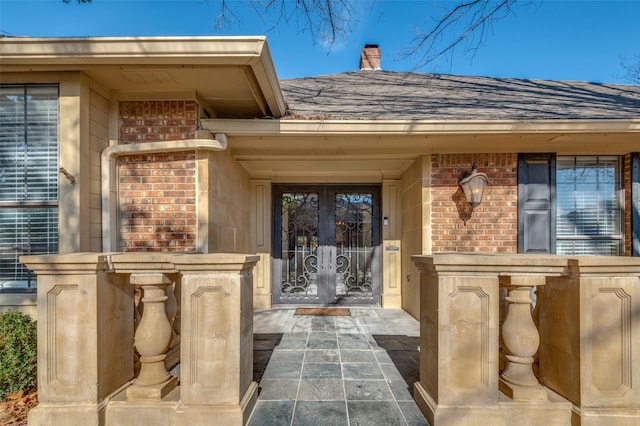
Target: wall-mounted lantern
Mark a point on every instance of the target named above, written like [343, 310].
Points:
[473, 185]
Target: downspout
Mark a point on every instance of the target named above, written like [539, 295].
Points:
[205, 142]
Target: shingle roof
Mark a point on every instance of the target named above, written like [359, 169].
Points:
[386, 95]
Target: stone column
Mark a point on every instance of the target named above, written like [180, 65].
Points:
[217, 339]
[458, 342]
[590, 339]
[85, 337]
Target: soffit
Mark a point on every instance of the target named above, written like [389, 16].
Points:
[234, 75]
[324, 150]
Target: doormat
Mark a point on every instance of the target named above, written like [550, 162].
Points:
[342, 312]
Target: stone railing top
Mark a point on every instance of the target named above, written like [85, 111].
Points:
[71, 263]
[90, 263]
[494, 264]
[528, 264]
[215, 261]
[140, 262]
[604, 265]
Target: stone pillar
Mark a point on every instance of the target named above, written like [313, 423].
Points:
[458, 342]
[590, 339]
[85, 337]
[217, 339]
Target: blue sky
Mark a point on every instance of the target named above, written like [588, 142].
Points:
[560, 40]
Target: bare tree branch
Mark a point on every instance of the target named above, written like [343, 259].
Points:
[225, 16]
[632, 70]
[466, 25]
[327, 20]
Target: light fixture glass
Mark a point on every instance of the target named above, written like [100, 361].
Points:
[473, 185]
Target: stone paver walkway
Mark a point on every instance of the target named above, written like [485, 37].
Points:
[344, 370]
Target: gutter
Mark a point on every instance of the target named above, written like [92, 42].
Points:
[252, 127]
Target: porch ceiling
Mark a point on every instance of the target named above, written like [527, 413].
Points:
[368, 151]
[235, 76]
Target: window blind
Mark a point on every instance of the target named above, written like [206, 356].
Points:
[589, 212]
[28, 178]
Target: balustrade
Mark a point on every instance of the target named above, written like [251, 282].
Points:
[460, 330]
[586, 340]
[200, 307]
[89, 323]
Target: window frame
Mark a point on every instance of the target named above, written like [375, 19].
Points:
[537, 214]
[619, 198]
[635, 204]
[48, 202]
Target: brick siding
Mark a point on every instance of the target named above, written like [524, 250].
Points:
[490, 227]
[152, 121]
[157, 192]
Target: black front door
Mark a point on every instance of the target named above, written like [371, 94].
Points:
[326, 245]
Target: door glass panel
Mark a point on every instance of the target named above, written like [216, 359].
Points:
[354, 245]
[299, 236]
[326, 245]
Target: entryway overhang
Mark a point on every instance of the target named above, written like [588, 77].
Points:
[372, 150]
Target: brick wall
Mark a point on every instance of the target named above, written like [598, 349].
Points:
[490, 227]
[157, 192]
[152, 121]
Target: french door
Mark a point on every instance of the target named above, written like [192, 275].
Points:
[326, 245]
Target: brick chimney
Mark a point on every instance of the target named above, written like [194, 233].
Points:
[370, 57]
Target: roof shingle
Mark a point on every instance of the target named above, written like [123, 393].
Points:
[387, 95]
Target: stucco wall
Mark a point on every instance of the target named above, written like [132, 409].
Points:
[98, 141]
[223, 204]
[415, 229]
[83, 135]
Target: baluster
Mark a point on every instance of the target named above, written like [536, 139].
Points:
[172, 308]
[521, 341]
[138, 308]
[152, 339]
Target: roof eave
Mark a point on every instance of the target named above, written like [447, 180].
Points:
[130, 50]
[76, 54]
[416, 127]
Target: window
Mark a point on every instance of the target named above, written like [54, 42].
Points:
[635, 204]
[570, 205]
[589, 206]
[28, 179]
